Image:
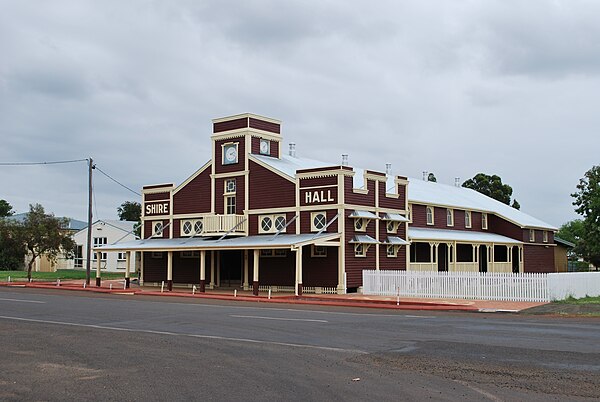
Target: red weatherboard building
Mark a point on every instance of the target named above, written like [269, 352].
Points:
[255, 216]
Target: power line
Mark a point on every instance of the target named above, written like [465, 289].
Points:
[116, 181]
[41, 163]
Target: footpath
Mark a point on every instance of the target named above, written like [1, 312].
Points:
[347, 300]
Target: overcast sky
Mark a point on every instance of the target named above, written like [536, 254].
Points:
[454, 88]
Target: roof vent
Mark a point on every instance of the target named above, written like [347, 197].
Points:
[457, 181]
[293, 149]
[388, 169]
[425, 173]
[344, 159]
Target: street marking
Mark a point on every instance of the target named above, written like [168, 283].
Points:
[276, 318]
[216, 337]
[23, 301]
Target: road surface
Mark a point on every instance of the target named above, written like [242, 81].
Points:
[60, 345]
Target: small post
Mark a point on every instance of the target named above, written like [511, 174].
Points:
[124, 285]
[9, 279]
[234, 292]
[58, 282]
[398, 297]
[269, 293]
[162, 286]
[193, 290]
[84, 284]
[110, 286]
[30, 280]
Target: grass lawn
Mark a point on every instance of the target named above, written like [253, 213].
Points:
[59, 274]
[583, 300]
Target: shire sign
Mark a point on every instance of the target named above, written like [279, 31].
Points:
[157, 208]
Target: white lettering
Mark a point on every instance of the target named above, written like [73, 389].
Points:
[307, 198]
[318, 196]
[329, 197]
[157, 209]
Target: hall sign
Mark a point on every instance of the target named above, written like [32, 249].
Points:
[157, 208]
[318, 196]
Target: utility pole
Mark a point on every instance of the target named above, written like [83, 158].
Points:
[89, 227]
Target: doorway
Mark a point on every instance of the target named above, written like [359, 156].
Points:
[442, 257]
[515, 260]
[231, 267]
[483, 259]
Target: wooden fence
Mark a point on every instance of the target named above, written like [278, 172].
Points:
[459, 285]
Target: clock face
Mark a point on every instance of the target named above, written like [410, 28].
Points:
[264, 147]
[230, 154]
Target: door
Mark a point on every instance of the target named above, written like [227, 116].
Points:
[483, 259]
[442, 257]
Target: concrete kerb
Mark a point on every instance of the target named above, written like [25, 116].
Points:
[338, 301]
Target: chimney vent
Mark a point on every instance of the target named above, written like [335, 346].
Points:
[425, 173]
[344, 159]
[388, 169]
[293, 149]
[457, 181]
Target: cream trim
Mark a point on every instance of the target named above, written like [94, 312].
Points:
[248, 115]
[229, 174]
[164, 189]
[240, 132]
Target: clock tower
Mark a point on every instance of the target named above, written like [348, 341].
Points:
[233, 139]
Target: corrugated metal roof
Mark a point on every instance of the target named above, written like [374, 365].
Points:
[364, 239]
[240, 243]
[395, 240]
[426, 192]
[419, 191]
[458, 235]
[394, 217]
[362, 214]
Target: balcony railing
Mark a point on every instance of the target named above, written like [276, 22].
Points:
[220, 224]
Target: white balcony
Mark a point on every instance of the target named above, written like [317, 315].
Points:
[221, 224]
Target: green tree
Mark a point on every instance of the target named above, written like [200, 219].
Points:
[571, 231]
[131, 211]
[44, 234]
[12, 250]
[5, 208]
[431, 177]
[491, 186]
[587, 203]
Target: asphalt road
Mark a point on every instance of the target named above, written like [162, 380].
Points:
[59, 345]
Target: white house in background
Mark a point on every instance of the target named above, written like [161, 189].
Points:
[104, 232]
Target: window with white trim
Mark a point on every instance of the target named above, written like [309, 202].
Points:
[429, 212]
[190, 254]
[531, 235]
[122, 256]
[271, 223]
[230, 205]
[359, 225]
[545, 236]
[392, 226]
[157, 228]
[449, 217]
[484, 221]
[229, 186]
[467, 219]
[360, 249]
[392, 250]
[278, 252]
[100, 241]
[186, 228]
[318, 220]
[318, 251]
[198, 226]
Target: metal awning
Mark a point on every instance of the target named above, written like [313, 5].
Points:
[461, 236]
[396, 241]
[394, 217]
[362, 214]
[283, 241]
[363, 239]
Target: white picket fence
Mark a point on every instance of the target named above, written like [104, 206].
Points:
[458, 285]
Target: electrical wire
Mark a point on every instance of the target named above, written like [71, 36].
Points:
[116, 181]
[41, 163]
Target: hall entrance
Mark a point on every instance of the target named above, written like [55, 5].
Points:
[231, 268]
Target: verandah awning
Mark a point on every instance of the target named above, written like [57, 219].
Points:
[283, 241]
[461, 236]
